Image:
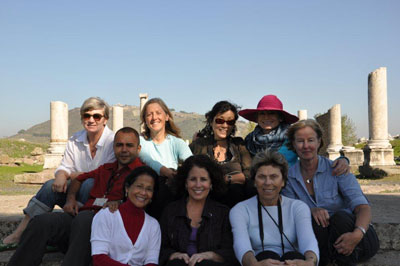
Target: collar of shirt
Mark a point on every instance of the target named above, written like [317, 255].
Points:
[320, 169]
[114, 166]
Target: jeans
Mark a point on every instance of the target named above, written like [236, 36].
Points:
[45, 200]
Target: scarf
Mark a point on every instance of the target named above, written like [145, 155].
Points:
[258, 141]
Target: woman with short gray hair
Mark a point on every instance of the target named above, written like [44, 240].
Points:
[270, 229]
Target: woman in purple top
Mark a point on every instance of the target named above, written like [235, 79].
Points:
[196, 229]
[341, 214]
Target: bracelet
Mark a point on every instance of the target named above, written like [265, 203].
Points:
[361, 229]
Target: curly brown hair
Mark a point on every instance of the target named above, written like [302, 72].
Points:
[201, 161]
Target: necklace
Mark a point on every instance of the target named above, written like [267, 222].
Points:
[309, 180]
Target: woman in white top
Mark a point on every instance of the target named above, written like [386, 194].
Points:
[162, 149]
[86, 150]
[270, 229]
[128, 236]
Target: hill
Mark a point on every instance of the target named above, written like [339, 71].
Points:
[187, 122]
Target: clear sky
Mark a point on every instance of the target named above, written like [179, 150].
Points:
[311, 54]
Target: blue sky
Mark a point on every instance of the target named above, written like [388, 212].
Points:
[311, 54]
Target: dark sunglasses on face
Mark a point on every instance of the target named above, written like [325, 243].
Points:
[221, 121]
[96, 117]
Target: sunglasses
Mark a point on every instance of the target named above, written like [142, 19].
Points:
[220, 121]
[96, 117]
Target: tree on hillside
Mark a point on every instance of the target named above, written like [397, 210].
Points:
[349, 136]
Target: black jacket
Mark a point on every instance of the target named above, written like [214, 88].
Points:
[214, 233]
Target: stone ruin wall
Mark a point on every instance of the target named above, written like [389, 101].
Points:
[324, 121]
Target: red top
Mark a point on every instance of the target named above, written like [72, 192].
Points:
[133, 218]
[108, 182]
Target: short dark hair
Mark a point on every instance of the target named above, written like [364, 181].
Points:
[218, 108]
[201, 161]
[127, 130]
[268, 157]
[141, 170]
[300, 125]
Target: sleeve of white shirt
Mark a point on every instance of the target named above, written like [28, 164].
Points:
[101, 233]
[68, 160]
[153, 249]
[240, 220]
[305, 234]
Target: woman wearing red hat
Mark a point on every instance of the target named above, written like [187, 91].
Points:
[270, 132]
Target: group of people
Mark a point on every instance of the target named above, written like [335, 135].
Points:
[150, 199]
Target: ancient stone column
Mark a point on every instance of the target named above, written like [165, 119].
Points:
[143, 99]
[335, 132]
[378, 150]
[118, 117]
[302, 114]
[377, 109]
[58, 134]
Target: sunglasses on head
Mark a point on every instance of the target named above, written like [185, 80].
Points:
[221, 121]
[96, 117]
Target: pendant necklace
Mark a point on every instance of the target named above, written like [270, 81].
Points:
[308, 181]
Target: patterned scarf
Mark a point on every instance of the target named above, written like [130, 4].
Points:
[257, 141]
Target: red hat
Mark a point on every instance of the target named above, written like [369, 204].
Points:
[268, 103]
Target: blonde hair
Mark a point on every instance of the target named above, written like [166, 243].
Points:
[300, 125]
[170, 126]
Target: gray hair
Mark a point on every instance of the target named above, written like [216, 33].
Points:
[94, 103]
[268, 157]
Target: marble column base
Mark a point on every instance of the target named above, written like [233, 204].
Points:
[356, 156]
[378, 156]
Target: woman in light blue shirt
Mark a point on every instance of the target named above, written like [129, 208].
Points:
[162, 149]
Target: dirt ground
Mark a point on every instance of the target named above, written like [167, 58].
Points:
[385, 206]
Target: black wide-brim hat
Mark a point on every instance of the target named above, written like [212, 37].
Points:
[268, 103]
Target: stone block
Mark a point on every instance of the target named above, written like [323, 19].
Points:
[52, 160]
[356, 156]
[378, 156]
[333, 155]
[37, 151]
[5, 159]
[29, 161]
[389, 235]
[34, 178]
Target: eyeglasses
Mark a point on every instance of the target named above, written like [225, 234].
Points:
[221, 121]
[96, 117]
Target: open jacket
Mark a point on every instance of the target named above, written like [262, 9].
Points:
[214, 233]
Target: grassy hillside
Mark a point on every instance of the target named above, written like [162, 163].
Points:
[19, 149]
[187, 122]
